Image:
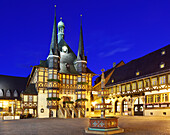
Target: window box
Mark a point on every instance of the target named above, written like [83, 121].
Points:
[82, 83]
[53, 80]
[69, 102]
[82, 99]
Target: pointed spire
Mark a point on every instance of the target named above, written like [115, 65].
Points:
[80, 55]
[54, 46]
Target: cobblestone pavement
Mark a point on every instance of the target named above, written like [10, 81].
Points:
[133, 125]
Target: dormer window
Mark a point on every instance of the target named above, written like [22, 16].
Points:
[8, 94]
[112, 80]
[163, 52]
[65, 49]
[137, 73]
[162, 65]
[15, 94]
[1, 93]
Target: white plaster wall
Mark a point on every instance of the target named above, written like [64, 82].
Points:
[42, 103]
[157, 112]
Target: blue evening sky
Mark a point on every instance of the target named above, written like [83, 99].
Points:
[113, 30]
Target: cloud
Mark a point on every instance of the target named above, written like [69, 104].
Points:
[114, 43]
[117, 50]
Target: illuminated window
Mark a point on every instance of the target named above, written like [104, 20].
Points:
[150, 99]
[125, 106]
[154, 81]
[83, 96]
[123, 88]
[112, 80]
[63, 80]
[67, 81]
[54, 94]
[79, 96]
[41, 73]
[41, 78]
[0, 104]
[119, 88]
[137, 73]
[169, 78]
[55, 76]
[165, 97]
[25, 98]
[8, 93]
[35, 98]
[114, 90]
[162, 65]
[79, 79]
[140, 84]
[146, 83]
[163, 52]
[1, 93]
[50, 76]
[83, 79]
[133, 86]
[30, 98]
[162, 79]
[71, 81]
[15, 94]
[128, 87]
[157, 98]
[49, 95]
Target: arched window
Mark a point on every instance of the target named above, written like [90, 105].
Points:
[8, 93]
[15, 93]
[124, 106]
[1, 93]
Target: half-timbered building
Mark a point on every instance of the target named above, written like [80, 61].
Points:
[11, 88]
[142, 86]
[63, 81]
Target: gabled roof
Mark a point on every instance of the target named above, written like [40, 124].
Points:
[107, 72]
[146, 65]
[31, 90]
[12, 83]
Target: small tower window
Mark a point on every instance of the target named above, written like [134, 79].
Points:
[163, 52]
[112, 80]
[137, 73]
[162, 65]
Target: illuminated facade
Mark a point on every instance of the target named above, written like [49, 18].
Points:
[10, 89]
[140, 87]
[63, 81]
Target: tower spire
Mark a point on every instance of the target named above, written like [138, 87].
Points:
[80, 55]
[54, 46]
[54, 55]
[81, 63]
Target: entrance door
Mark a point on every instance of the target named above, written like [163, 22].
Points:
[138, 107]
[51, 113]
